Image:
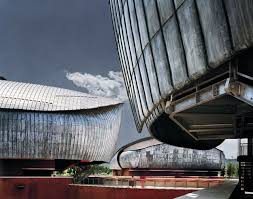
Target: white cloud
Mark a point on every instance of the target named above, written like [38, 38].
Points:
[111, 86]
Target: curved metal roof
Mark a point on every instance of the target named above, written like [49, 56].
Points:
[149, 153]
[26, 96]
[144, 143]
[139, 144]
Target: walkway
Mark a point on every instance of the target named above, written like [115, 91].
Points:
[223, 191]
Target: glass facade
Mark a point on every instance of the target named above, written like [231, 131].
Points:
[41, 122]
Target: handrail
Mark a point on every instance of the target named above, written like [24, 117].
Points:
[189, 182]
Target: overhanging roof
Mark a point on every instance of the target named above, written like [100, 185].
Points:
[26, 96]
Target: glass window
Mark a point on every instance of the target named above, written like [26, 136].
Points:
[152, 17]
[162, 65]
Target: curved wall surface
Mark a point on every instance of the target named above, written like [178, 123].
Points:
[164, 156]
[40, 122]
[165, 45]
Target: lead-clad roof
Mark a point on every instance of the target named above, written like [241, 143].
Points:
[26, 96]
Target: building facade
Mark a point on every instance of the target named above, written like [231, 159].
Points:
[151, 157]
[47, 123]
[179, 54]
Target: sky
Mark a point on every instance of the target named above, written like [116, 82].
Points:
[53, 42]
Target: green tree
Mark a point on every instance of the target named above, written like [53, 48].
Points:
[236, 170]
[223, 171]
[80, 173]
[230, 169]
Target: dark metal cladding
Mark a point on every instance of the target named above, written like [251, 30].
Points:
[47, 123]
[240, 18]
[152, 154]
[215, 31]
[170, 49]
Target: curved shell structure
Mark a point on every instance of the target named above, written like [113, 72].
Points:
[170, 49]
[41, 122]
[163, 156]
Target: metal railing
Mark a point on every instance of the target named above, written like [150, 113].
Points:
[193, 182]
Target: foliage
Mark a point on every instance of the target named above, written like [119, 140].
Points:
[229, 169]
[223, 171]
[232, 169]
[100, 169]
[80, 173]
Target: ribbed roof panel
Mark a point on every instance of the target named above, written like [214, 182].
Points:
[26, 96]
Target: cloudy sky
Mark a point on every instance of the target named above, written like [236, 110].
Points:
[66, 43]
